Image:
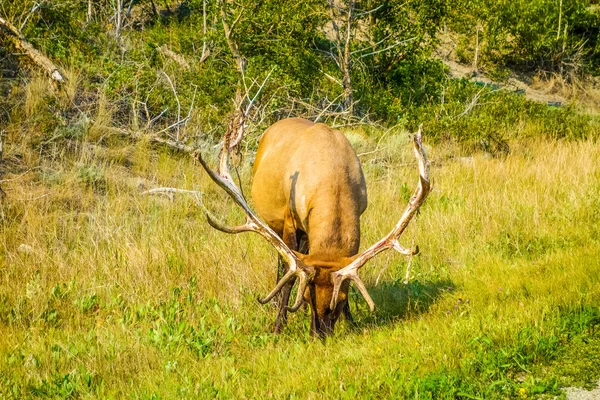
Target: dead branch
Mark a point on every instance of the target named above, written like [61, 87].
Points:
[35, 7]
[332, 79]
[153, 120]
[472, 103]
[385, 49]
[180, 122]
[364, 13]
[324, 110]
[175, 145]
[36, 57]
[260, 88]
[16, 178]
[178, 103]
[35, 198]
[170, 192]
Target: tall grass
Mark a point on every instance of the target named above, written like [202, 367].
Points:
[106, 292]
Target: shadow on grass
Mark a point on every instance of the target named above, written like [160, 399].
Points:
[395, 300]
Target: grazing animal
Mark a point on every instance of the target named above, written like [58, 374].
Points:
[309, 188]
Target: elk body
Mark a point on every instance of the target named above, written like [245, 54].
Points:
[308, 184]
[309, 192]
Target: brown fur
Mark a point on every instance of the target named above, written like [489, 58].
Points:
[308, 180]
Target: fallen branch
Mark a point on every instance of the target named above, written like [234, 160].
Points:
[171, 191]
[34, 55]
[18, 176]
[176, 145]
[35, 198]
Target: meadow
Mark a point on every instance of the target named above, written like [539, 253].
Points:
[107, 292]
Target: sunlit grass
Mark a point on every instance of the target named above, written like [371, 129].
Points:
[106, 292]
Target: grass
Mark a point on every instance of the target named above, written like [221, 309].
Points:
[107, 293]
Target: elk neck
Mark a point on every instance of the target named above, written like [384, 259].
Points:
[334, 232]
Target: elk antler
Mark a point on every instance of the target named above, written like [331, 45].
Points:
[223, 178]
[391, 240]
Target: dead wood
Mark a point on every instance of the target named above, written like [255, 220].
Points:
[34, 55]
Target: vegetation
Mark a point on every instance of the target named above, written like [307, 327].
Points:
[172, 56]
[542, 35]
[107, 292]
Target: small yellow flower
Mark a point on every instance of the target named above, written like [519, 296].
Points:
[523, 392]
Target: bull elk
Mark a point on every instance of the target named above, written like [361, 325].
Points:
[309, 187]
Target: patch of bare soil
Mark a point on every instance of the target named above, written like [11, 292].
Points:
[550, 88]
[514, 83]
[582, 394]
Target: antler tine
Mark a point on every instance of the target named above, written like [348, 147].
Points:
[253, 224]
[390, 241]
[304, 279]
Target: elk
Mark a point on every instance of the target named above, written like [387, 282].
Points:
[308, 187]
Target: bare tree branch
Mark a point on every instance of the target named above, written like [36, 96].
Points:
[35, 7]
[171, 191]
[180, 122]
[371, 46]
[178, 104]
[363, 13]
[387, 48]
[257, 92]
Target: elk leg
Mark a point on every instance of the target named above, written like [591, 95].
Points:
[303, 248]
[347, 313]
[290, 239]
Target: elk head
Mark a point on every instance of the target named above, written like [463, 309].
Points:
[322, 282]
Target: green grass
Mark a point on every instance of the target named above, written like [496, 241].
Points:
[107, 293]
